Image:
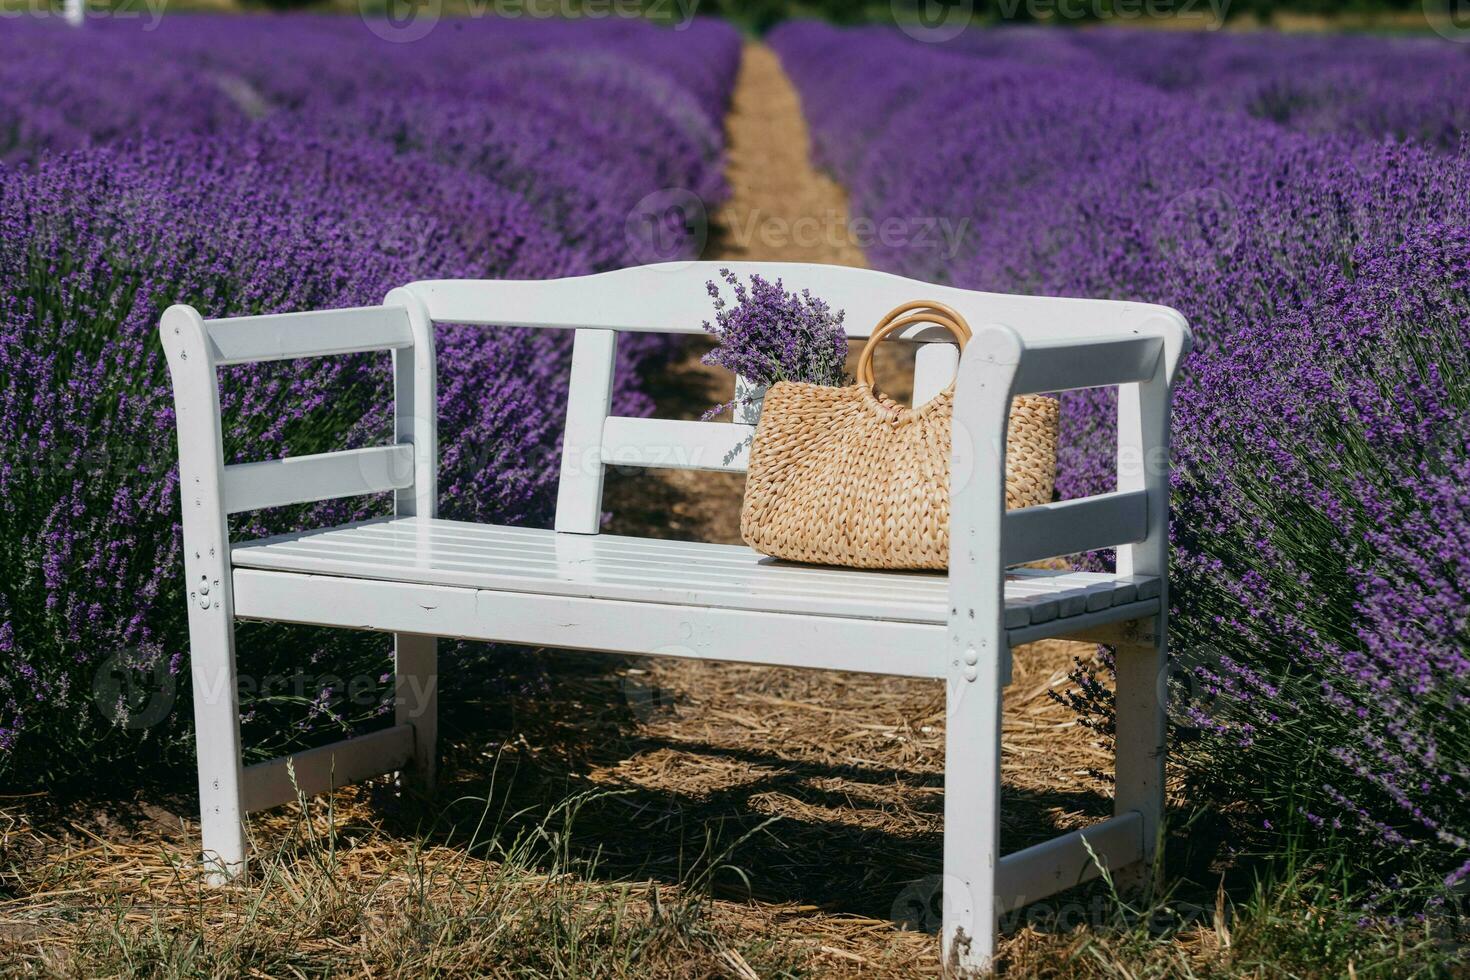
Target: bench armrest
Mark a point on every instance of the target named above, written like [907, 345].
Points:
[1142, 360]
[1123, 356]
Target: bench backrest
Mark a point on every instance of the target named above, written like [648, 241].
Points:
[1069, 343]
[1053, 344]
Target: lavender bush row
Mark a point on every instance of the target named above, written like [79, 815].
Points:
[509, 99]
[1400, 88]
[1376, 87]
[1322, 530]
[372, 165]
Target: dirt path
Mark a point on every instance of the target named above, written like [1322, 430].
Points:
[781, 208]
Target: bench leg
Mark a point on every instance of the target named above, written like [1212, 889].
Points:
[217, 740]
[1140, 663]
[971, 815]
[416, 703]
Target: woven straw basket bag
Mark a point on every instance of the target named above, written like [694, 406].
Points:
[846, 476]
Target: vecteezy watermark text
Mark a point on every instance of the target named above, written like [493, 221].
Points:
[672, 224]
[151, 10]
[402, 21]
[834, 229]
[136, 691]
[937, 21]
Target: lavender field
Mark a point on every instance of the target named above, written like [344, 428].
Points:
[267, 164]
[1315, 227]
[1303, 200]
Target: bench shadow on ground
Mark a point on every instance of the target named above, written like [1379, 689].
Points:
[842, 837]
[666, 799]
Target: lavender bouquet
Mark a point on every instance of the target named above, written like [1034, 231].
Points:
[769, 334]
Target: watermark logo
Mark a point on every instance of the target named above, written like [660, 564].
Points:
[401, 21]
[645, 699]
[616, 76]
[1199, 229]
[1190, 685]
[933, 21]
[1450, 19]
[134, 689]
[246, 97]
[666, 226]
[921, 905]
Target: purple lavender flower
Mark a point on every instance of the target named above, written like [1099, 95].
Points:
[768, 334]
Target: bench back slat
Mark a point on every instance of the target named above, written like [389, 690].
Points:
[589, 399]
[670, 298]
[1083, 363]
[1069, 527]
[676, 444]
[285, 336]
[323, 476]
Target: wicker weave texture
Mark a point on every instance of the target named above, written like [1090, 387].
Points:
[846, 476]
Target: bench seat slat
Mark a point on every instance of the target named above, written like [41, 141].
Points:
[527, 560]
[767, 576]
[654, 550]
[611, 572]
[499, 539]
[1097, 594]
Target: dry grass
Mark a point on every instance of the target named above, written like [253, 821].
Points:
[610, 818]
[596, 819]
[338, 890]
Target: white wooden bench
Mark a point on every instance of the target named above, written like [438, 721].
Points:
[420, 577]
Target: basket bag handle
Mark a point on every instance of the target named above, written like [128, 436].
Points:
[908, 315]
